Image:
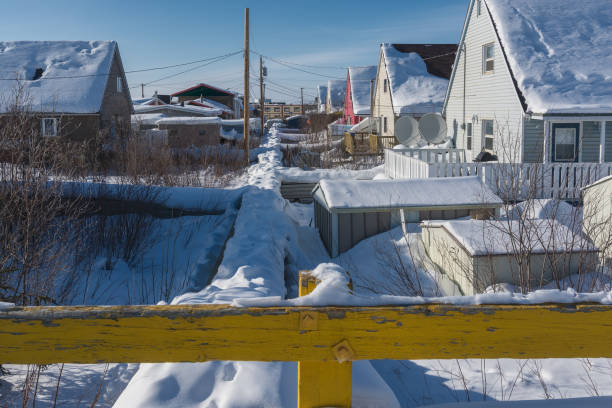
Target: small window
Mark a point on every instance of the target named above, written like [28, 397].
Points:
[488, 58]
[385, 85]
[487, 134]
[49, 127]
[119, 84]
[267, 109]
[385, 124]
[296, 109]
[276, 109]
[478, 7]
[469, 137]
[565, 139]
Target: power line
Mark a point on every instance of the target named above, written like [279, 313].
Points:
[298, 69]
[304, 65]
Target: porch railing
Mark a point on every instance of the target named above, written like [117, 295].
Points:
[514, 181]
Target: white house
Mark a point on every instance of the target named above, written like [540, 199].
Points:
[336, 92]
[411, 79]
[597, 215]
[532, 81]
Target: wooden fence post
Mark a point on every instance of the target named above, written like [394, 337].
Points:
[322, 383]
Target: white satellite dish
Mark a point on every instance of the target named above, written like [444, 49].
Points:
[406, 131]
[432, 127]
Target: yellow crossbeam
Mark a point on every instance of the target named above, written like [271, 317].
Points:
[215, 332]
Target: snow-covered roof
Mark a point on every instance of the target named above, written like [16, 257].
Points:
[73, 78]
[559, 52]
[607, 179]
[336, 92]
[147, 118]
[501, 237]
[210, 104]
[189, 120]
[443, 192]
[187, 110]
[413, 88]
[361, 81]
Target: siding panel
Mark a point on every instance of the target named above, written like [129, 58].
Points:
[591, 137]
[608, 155]
[533, 142]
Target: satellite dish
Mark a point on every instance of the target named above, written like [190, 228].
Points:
[406, 130]
[433, 128]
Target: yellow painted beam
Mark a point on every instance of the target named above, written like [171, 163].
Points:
[219, 332]
[321, 383]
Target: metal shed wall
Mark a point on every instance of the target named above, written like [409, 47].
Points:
[323, 222]
[353, 227]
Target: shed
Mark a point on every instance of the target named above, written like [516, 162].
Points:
[476, 254]
[597, 216]
[185, 132]
[347, 211]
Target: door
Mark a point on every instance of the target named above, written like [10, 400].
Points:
[565, 138]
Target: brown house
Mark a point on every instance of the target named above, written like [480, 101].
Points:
[71, 88]
[184, 132]
[209, 96]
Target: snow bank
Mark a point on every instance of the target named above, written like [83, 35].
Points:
[559, 53]
[406, 193]
[297, 175]
[74, 73]
[413, 89]
[361, 78]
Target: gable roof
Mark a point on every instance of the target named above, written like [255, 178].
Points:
[418, 75]
[209, 103]
[558, 52]
[360, 79]
[72, 74]
[336, 92]
[204, 90]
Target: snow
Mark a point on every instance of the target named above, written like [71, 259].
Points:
[600, 181]
[87, 64]
[407, 193]
[413, 89]
[189, 120]
[212, 104]
[336, 91]
[361, 83]
[495, 237]
[592, 402]
[368, 124]
[558, 53]
[147, 118]
[297, 175]
[189, 109]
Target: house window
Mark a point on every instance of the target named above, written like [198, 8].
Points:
[565, 140]
[487, 134]
[478, 7]
[119, 84]
[488, 58]
[276, 109]
[385, 84]
[267, 109]
[385, 124]
[469, 137]
[296, 109]
[49, 127]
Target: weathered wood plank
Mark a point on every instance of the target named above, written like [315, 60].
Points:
[217, 332]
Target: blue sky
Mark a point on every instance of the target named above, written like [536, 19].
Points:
[328, 35]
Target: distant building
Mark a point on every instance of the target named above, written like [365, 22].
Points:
[204, 91]
[336, 92]
[282, 110]
[322, 97]
[73, 89]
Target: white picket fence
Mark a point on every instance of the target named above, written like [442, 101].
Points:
[511, 181]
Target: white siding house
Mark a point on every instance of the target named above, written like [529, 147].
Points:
[411, 79]
[530, 84]
[336, 92]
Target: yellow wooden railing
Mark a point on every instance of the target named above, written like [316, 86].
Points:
[323, 339]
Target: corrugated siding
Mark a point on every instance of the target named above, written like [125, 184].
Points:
[487, 96]
[608, 155]
[323, 224]
[354, 227]
[591, 138]
[533, 141]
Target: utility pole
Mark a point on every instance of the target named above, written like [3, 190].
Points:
[302, 93]
[371, 105]
[246, 86]
[142, 90]
[261, 94]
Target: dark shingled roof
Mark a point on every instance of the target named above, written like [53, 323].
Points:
[439, 58]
